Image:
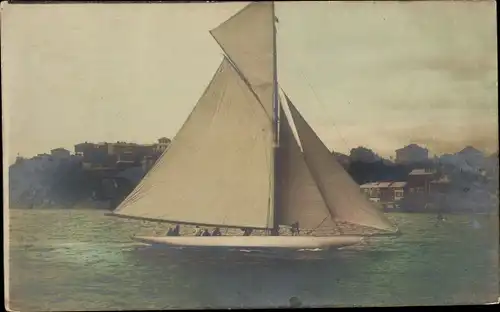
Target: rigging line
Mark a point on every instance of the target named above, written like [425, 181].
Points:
[321, 103]
[324, 108]
[320, 224]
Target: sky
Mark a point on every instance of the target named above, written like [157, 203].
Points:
[375, 74]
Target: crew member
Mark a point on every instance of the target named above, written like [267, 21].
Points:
[295, 229]
[197, 231]
[216, 232]
[177, 230]
[170, 232]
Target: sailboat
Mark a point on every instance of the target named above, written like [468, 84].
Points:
[237, 163]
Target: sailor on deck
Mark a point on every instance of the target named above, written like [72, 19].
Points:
[170, 232]
[197, 231]
[246, 231]
[176, 230]
[295, 229]
[173, 231]
[205, 233]
[216, 232]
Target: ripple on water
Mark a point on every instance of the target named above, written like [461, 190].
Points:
[68, 260]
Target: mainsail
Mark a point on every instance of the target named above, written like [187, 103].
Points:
[217, 170]
[225, 168]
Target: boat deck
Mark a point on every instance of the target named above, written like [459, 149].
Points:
[188, 230]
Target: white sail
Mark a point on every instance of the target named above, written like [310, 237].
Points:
[218, 168]
[247, 38]
[341, 193]
[299, 198]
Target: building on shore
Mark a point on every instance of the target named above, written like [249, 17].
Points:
[387, 194]
[60, 153]
[119, 155]
[419, 187]
[115, 168]
[419, 180]
[83, 148]
[162, 145]
[423, 190]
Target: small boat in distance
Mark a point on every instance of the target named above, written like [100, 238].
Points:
[237, 163]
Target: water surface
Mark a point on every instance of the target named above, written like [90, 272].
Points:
[64, 260]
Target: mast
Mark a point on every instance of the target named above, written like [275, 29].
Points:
[276, 110]
[276, 123]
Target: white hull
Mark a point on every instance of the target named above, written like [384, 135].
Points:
[254, 242]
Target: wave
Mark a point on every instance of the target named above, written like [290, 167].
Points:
[73, 245]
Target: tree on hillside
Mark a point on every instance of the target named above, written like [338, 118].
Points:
[363, 172]
[342, 159]
[363, 154]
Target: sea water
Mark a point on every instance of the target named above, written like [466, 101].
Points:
[65, 260]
